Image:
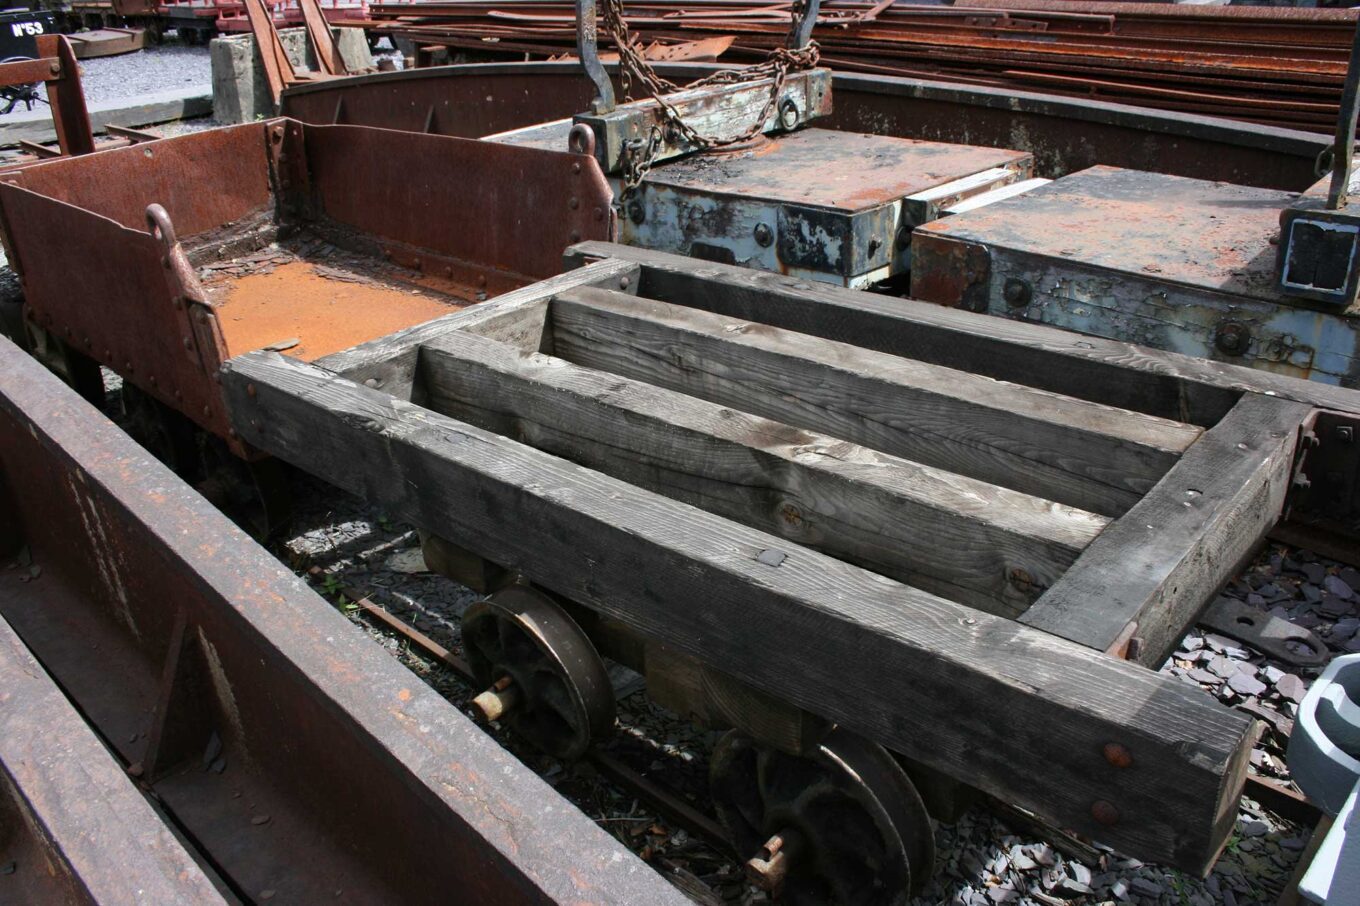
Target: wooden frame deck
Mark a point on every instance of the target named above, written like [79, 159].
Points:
[943, 531]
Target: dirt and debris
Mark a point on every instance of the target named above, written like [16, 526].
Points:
[321, 296]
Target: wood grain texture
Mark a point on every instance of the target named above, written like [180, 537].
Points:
[1015, 711]
[1159, 564]
[1075, 452]
[958, 537]
[1167, 384]
[517, 316]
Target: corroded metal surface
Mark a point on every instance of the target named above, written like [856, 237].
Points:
[1177, 264]
[120, 290]
[1064, 134]
[817, 203]
[73, 828]
[298, 758]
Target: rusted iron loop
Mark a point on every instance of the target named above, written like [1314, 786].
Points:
[581, 140]
[162, 230]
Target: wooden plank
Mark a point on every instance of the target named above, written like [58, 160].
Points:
[1160, 563]
[1083, 454]
[954, 536]
[516, 317]
[1182, 387]
[1017, 712]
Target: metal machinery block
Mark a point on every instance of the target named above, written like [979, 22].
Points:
[1179, 264]
[832, 206]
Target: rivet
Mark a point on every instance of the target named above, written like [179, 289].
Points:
[1105, 813]
[188, 343]
[624, 282]
[576, 167]
[575, 235]
[206, 412]
[573, 203]
[251, 391]
[1017, 292]
[1117, 755]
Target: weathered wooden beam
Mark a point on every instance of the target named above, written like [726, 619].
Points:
[1022, 714]
[516, 317]
[1083, 454]
[1181, 387]
[1159, 564]
[954, 536]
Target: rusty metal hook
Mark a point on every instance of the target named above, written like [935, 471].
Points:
[161, 229]
[581, 140]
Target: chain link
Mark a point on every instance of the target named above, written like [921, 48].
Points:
[638, 155]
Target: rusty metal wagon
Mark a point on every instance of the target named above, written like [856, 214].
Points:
[896, 549]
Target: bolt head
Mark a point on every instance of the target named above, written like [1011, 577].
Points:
[1232, 338]
[764, 235]
[1345, 434]
[636, 212]
[1117, 755]
[1105, 813]
[1016, 292]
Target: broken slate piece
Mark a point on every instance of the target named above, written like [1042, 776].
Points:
[1291, 687]
[1337, 586]
[1246, 684]
[1145, 887]
[1204, 677]
[1222, 667]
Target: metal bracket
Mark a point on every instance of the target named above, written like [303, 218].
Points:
[1265, 632]
[1344, 145]
[711, 111]
[801, 36]
[588, 49]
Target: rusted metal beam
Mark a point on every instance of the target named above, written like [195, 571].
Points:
[73, 827]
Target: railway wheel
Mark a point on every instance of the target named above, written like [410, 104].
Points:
[254, 495]
[542, 675]
[842, 825]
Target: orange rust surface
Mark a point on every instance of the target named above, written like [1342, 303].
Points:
[295, 302]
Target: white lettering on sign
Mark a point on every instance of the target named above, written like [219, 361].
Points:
[26, 28]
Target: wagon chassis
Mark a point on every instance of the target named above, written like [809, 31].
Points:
[464, 426]
[858, 530]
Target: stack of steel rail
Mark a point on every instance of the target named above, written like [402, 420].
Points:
[1275, 66]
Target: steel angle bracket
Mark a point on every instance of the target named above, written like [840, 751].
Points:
[717, 111]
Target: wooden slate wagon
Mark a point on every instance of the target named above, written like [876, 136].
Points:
[797, 507]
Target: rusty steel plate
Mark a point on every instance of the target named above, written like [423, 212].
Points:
[1178, 264]
[841, 171]
[73, 827]
[1208, 235]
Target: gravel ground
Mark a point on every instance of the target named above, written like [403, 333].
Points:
[991, 855]
[171, 65]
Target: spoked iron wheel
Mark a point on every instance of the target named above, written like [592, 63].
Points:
[163, 432]
[542, 675]
[254, 495]
[842, 825]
